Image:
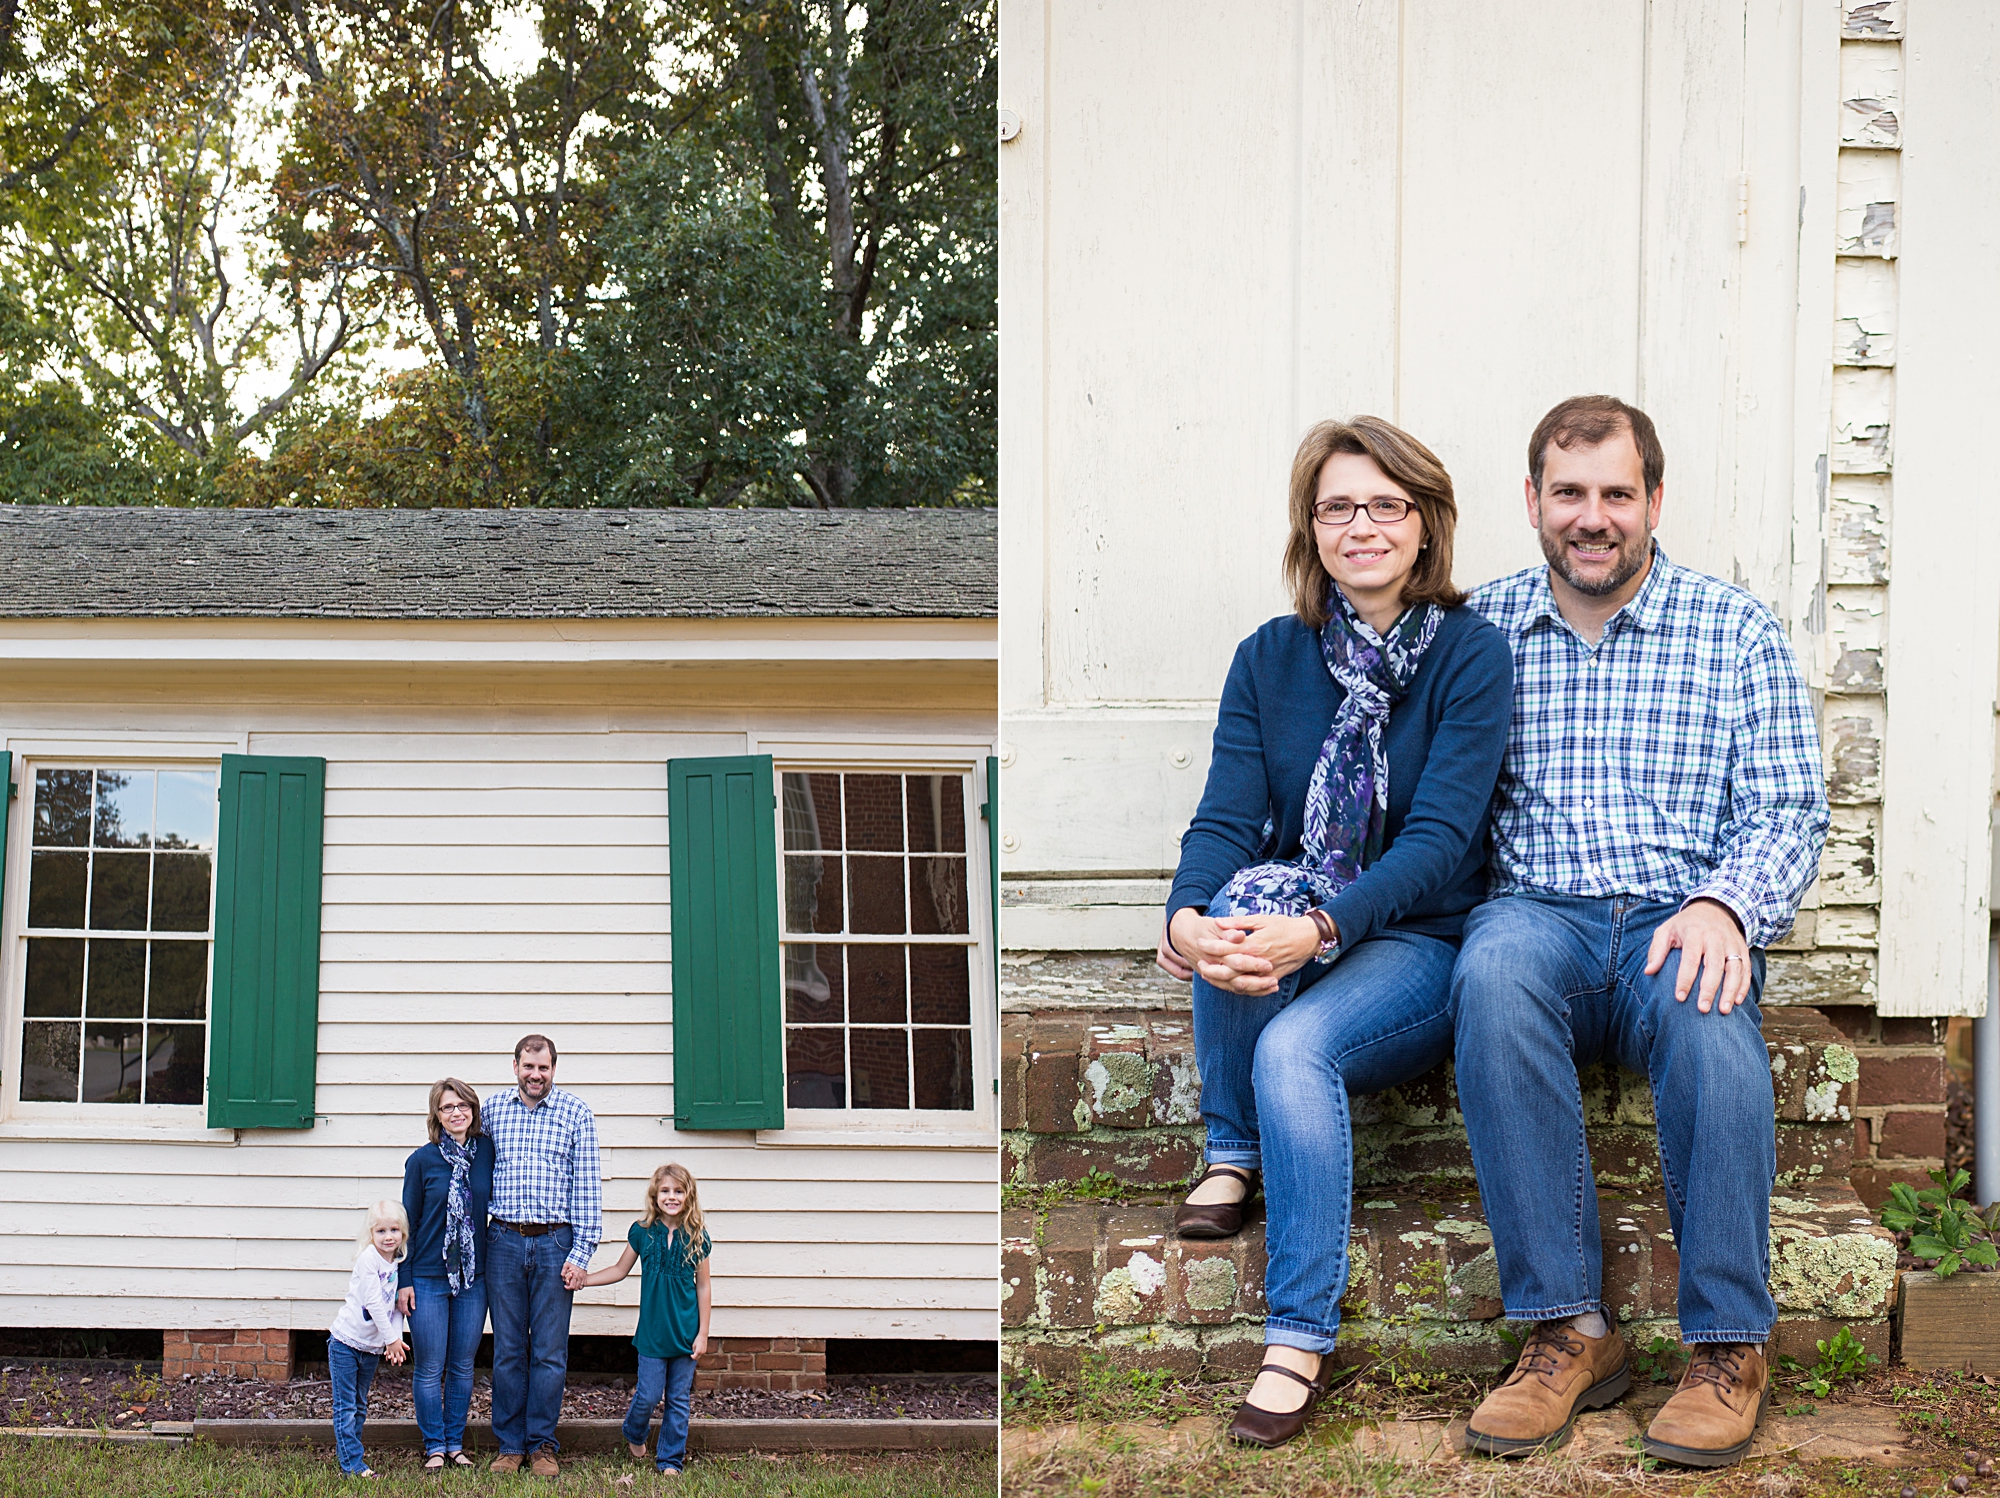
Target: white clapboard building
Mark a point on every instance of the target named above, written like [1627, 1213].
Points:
[306, 810]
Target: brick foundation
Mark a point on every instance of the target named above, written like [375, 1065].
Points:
[241, 1352]
[1899, 1101]
[762, 1363]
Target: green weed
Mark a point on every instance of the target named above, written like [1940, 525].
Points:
[1842, 1360]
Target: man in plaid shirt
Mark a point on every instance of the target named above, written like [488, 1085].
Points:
[1660, 812]
[543, 1224]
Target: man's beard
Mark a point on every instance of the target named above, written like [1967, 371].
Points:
[1627, 560]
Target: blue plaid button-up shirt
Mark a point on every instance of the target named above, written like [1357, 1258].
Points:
[1676, 759]
[545, 1167]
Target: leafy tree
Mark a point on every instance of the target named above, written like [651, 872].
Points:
[473, 195]
[808, 272]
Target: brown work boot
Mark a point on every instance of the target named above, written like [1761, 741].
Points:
[544, 1464]
[1714, 1413]
[1560, 1371]
[506, 1461]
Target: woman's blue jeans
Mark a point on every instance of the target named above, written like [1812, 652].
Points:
[1275, 1079]
[671, 1379]
[353, 1374]
[1548, 983]
[444, 1332]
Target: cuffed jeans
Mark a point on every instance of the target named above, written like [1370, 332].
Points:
[445, 1331]
[1275, 1079]
[1548, 983]
[353, 1374]
[524, 1291]
[671, 1379]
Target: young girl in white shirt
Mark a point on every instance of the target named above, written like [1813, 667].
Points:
[368, 1329]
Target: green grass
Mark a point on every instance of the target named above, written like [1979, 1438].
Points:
[42, 1468]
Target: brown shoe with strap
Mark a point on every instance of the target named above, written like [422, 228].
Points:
[1262, 1427]
[1713, 1415]
[1215, 1219]
[1559, 1373]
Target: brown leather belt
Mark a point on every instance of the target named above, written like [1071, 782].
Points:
[527, 1229]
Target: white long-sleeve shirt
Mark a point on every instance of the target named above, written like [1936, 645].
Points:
[368, 1321]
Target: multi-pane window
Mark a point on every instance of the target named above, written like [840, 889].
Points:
[878, 942]
[121, 874]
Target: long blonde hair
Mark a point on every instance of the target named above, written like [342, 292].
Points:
[692, 1226]
[386, 1213]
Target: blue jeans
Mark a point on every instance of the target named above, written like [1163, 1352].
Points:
[444, 1332]
[1548, 983]
[1275, 1079]
[353, 1374]
[673, 1379]
[524, 1291]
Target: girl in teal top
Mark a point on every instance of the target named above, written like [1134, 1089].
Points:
[673, 1310]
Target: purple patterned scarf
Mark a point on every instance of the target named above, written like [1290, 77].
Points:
[1347, 799]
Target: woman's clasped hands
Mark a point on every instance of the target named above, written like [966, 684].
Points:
[1245, 954]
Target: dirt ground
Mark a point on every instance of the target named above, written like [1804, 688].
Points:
[1898, 1434]
[80, 1392]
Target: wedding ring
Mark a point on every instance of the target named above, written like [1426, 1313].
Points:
[1732, 959]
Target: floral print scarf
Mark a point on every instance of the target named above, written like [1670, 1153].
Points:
[1347, 800]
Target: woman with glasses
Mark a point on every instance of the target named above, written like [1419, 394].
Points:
[442, 1282]
[1340, 841]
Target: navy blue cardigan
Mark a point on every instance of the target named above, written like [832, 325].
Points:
[426, 1184]
[1444, 742]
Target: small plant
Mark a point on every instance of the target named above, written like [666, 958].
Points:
[1659, 1360]
[1842, 1359]
[1646, 1463]
[1942, 1225]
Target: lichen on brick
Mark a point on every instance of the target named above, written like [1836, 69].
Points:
[1182, 1104]
[1121, 1294]
[1840, 1064]
[1848, 1275]
[1823, 1102]
[1211, 1284]
[1119, 1081]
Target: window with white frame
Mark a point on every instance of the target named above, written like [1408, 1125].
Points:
[878, 942]
[118, 929]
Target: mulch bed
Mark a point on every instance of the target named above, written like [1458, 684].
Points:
[79, 1392]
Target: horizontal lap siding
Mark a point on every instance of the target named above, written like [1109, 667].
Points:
[479, 885]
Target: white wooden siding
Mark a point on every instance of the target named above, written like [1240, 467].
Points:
[490, 870]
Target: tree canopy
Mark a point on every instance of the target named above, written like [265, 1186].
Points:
[613, 252]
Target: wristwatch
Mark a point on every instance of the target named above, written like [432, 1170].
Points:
[1329, 935]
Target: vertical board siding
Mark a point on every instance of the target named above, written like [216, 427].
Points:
[474, 890]
[265, 994]
[729, 1071]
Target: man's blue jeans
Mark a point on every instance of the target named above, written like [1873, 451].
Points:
[444, 1333]
[1548, 983]
[673, 1380]
[524, 1291]
[353, 1374]
[1275, 1079]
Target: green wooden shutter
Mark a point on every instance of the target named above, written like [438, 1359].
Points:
[264, 1010]
[729, 1070]
[990, 810]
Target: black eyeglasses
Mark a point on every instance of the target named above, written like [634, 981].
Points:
[1384, 511]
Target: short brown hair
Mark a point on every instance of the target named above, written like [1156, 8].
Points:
[535, 1043]
[1585, 421]
[1413, 467]
[452, 1085]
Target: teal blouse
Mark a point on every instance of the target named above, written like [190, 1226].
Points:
[669, 1315]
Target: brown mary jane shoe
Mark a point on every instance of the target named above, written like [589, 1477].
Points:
[1262, 1427]
[1216, 1219]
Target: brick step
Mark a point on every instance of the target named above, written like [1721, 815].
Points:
[1119, 1094]
[1084, 1276]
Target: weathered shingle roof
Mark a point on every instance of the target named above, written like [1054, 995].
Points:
[496, 564]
